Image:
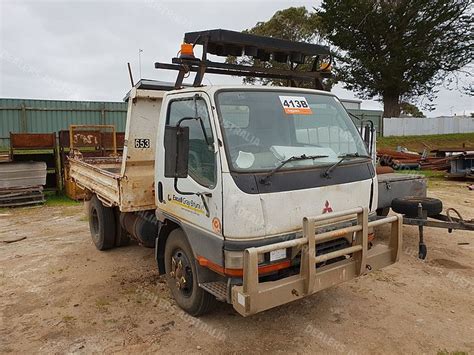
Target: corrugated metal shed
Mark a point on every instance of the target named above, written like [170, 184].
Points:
[46, 116]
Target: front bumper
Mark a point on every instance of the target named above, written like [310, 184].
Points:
[253, 296]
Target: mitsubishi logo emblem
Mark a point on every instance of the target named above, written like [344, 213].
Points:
[327, 207]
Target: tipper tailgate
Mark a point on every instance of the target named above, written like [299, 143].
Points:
[99, 176]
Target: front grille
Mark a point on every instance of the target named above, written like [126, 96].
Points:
[321, 249]
[330, 246]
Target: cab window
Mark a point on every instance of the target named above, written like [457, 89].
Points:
[202, 160]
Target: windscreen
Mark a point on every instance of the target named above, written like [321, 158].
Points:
[264, 128]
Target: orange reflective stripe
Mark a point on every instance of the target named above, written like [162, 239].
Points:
[264, 269]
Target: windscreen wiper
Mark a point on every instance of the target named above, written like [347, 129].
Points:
[327, 173]
[264, 180]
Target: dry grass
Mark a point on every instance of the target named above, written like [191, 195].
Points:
[418, 143]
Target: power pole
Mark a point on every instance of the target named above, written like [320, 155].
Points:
[140, 62]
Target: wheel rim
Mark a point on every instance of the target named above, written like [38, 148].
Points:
[182, 273]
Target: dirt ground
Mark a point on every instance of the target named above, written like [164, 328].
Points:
[60, 295]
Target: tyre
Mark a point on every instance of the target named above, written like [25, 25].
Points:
[181, 273]
[409, 206]
[101, 224]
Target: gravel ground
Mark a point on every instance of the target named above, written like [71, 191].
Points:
[60, 295]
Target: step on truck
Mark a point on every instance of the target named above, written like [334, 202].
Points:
[252, 195]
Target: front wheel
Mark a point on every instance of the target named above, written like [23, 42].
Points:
[181, 273]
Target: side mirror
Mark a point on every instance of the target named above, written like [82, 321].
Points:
[367, 131]
[176, 143]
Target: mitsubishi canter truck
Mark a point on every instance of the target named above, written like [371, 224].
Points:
[252, 195]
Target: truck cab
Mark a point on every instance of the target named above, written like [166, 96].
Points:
[262, 195]
[261, 160]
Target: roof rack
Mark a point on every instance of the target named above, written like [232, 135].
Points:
[224, 43]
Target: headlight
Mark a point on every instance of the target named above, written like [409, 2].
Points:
[235, 259]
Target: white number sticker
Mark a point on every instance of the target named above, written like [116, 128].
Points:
[142, 143]
[277, 255]
[295, 105]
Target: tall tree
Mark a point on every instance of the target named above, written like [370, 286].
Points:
[410, 110]
[294, 24]
[398, 49]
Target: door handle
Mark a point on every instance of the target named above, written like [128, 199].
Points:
[160, 192]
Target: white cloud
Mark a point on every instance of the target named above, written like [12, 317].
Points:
[79, 49]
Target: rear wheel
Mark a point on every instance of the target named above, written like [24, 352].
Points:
[101, 224]
[181, 273]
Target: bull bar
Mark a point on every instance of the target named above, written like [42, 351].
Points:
[253, 296]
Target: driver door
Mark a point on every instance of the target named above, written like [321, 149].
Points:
[203, 165]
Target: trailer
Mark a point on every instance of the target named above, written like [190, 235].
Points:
[428, 212]
[396, 185]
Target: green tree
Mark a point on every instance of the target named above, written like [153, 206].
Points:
[409, 109]
[398, 49]
[294, 24]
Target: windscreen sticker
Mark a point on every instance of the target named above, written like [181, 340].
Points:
[295, 105]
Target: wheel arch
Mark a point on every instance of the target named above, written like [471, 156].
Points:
[166, 227]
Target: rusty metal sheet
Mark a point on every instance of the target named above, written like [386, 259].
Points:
[91, 138]
[63, 139]
[81, 139]
[32, 140]
[73, 191]
[107, 140]
[85, 139]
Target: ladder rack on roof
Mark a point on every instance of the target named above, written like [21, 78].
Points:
[229, 43]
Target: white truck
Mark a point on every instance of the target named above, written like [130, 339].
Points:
[252, 195]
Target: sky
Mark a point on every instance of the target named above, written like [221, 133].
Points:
[79, 49]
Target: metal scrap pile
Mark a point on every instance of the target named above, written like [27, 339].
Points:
[457, 162]
[21, 183]
[403, 160]
[462, 166]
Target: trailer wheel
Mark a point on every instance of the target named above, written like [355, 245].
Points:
[409, 206]
[101, 224]
[181, 273]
